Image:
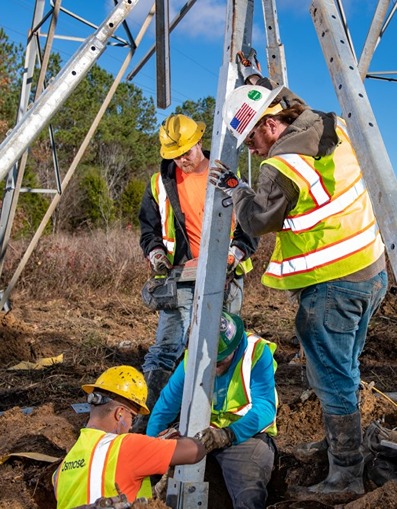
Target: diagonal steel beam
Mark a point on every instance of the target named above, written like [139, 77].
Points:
[372, 37]
[276, 63]
[60, 89]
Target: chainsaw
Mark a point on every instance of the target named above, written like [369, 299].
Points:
[160, 291]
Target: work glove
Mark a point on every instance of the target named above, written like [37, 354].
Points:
[159, 261]
[215, 438]
[234, 257]
[224, 179]
[169, 433]
[248, 66]
[160, 488]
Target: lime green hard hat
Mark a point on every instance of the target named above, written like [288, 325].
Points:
[231, 333]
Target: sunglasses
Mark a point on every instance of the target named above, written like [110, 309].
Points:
[249, 140]
[133, 414]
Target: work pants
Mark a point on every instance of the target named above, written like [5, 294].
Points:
[173, 326]
[332, 325]
[246, 469]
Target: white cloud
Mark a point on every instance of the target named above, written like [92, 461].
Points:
[205, 19]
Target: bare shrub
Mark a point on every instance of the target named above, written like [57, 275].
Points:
[63, 263]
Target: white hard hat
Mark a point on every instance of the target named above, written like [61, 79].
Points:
[244, 106]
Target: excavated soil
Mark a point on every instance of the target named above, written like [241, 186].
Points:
[94, 331]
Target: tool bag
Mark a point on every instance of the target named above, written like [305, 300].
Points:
[160, 293]
[380, 453]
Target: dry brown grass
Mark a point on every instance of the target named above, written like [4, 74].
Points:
[62, 263]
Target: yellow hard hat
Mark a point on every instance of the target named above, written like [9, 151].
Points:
[124, 381]
[178, 135]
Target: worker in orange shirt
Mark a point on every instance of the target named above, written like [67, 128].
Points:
[171, 218]
[106, 459]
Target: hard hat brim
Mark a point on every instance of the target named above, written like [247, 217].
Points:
[171, 152]
[89, 388]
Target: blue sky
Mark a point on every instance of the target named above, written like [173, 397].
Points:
[197, 50]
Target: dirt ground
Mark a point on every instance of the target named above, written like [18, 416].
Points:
[94, 331]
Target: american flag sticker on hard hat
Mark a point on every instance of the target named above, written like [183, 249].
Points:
[242, 118]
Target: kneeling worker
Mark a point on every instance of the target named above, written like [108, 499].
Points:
[107, 458]
[243, 417]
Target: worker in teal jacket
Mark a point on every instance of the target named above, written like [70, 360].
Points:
[243, 416]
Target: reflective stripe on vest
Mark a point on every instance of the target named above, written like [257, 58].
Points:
[239, 392]
[323, 256]
[168, 225]
[97, 467]
[89, 470]
[166, 214]
[306, 221]
[299, 165]
[332, 221]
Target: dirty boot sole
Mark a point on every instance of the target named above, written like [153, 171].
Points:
[303, 504]
[301, 493]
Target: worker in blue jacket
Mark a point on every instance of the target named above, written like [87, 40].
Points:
[243, 415]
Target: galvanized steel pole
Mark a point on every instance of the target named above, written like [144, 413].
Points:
[362, 126]
[187, 489]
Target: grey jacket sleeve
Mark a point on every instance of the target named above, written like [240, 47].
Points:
[264, 211]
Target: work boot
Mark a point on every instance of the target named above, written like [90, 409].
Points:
[346, 464]
[311, 451]
[155, 381]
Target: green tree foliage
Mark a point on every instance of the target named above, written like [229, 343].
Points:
[122, 148]
[130, 201]
[124, 151]
[10, 68]
[97, 207]
[33, 206]
[124, 141]
[72, 122]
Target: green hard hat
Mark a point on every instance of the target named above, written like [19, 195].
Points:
[230, 334]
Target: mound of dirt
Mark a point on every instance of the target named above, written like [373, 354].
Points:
[94, 332]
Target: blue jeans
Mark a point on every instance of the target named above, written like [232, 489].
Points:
[173, 326]
[246, 469]
[332, 324]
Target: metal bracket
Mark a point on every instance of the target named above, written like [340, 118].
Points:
[186, 495]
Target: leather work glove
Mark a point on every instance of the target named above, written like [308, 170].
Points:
[215, 438]
[249, 66]
[224, 179]
[234, 258]
[159, 261]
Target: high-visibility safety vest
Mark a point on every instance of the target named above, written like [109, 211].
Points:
[168, 223]
[238, 399]
[88, 471]
[332, 231]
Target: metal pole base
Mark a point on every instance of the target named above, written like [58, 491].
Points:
[187, 495]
